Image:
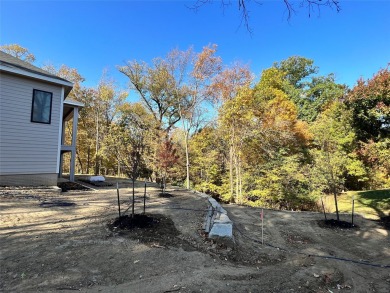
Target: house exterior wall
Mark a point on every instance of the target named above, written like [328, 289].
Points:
[29, 180]
[27, 148]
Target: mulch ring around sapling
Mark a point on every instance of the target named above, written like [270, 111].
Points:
[127, 222]
[334, 224]
[165, 194]
[66, 186]
[158, 230]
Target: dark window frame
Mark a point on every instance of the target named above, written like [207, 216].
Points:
[32, 107]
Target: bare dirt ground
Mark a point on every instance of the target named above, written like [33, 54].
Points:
[65, 243]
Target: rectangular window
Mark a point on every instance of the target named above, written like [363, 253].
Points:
[41, 107]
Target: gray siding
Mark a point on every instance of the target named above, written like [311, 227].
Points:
[26, 147]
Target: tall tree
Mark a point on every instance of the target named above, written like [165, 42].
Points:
[321, 91]
[229, 81]
[370, 103]
[233, 119]
[129, 140]
[191, 108]
[161, 89]
[310, 93]
[275, 137]
[334, 142]
[160, 85]
[209, 158]
[224, 89]
[375, 156]
[105, 107]
[257, 123]
[174, 89]
[297, 69]
[86, 135]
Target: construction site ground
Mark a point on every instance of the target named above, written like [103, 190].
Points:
[66, 242]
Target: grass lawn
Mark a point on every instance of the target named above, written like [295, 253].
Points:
[371, 204]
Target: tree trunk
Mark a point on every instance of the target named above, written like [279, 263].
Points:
[88, 159]
[97, 147]
[335, 201]
[80, 162]
[237, 199]
[240, 179]
[231, 172]
[337, 209]
[333, 184]
[187, 161]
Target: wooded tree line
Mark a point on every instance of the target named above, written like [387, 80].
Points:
[280, 141]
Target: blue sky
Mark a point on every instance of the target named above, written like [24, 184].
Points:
[96, 35]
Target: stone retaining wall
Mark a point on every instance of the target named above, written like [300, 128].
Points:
[217, 224]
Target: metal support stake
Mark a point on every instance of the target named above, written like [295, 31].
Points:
[144, 196]
[133, 200]
[353, 207]
[119, 204]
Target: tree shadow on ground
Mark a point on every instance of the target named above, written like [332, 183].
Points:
[378, 200]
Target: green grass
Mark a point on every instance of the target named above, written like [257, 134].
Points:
[371, 204]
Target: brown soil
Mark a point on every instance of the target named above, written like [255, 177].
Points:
[75, 241]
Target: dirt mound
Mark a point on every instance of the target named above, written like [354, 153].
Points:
[155, 229]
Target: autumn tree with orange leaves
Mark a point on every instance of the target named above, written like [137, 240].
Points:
[280, 141]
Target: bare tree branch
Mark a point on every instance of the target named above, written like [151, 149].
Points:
[243, 7]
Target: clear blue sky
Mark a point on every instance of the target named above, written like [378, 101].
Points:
[96, 35]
